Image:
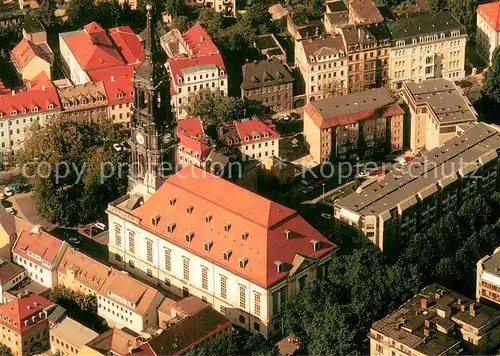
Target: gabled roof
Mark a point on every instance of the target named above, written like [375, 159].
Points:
[238, 221]
[26, 50]
[491, 13]
[199, 42]
[39, 247]
[366, 11]
[117, 82]
[313, 46]
[191, 127]
[19, 310]
[255, 130]
[69, 330]
[128, 44]
[8, 271]
[118, 342]
[265, 73]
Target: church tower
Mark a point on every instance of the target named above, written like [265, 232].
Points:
[151, 122]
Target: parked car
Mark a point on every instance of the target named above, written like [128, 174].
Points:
[8, 192]
[117, 147]
[326, 216]
[17, 188]
[74, 240]
[100, 226]
[10, 210]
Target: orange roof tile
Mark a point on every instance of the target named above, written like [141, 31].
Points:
[25, 51]
[191, 126]
[491, 13]
[246, 130]
[31, 245]
[128, 43]
[8, 271]
[19, 310]
[116, 81]
[241, 222]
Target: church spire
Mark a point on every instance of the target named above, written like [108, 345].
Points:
[149, 34]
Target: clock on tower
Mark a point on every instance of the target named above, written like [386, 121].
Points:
[151, 119]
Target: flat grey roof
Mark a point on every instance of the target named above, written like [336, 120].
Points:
[492, 264]
[445, 98]
[438, 163]
[354, 103]
[73, 332]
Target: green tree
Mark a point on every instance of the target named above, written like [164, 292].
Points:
[437, 5]
[176, 7]
[46, 13]
[76, 170]
[5, 351]
[107, 13]
[257, 345]
[181, 23]
[80, 12]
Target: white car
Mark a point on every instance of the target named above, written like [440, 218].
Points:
[8, 191]
[100, 226]
[363, 174]
[10, 210]
[326, 216]
[117, 147]
[74, 240]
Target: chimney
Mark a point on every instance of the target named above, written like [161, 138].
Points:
[459, 301]
[35, 229]
[426, 332]
[43, 87]
[201, 39]
[316, 31]
[462, 308]
[13, 92]
[423, 303]
[427, 323]
[472, 311]
[359, 33]
[112, 78]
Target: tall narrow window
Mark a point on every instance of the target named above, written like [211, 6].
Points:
[168, 258]
[204, 278]
[185, 266]
[118, 235]
[131, 241]
[149, 250]
[256, 301]
[243, 297]
[223, 287]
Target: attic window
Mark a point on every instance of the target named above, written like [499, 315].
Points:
[24, 110]
[246, 138]
[189, 236]
[155, 219]
[13, 112]
[119, 95]
[266, 134]
[208, 245]
[35, 109]
[280, 266]
[244, 235]
[288, 234]
[226, 254]
[243, 262]
[171, 227]
[208, 218]
[189, 209]
[227, 227]
[172, 201]
[315, 244]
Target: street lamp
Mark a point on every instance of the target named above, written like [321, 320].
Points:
[323, 196]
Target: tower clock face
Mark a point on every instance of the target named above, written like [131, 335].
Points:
[139, 138]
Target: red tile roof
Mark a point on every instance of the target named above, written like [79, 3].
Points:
[491, 13]
[116, 80]
[37, 98]
[192, 136]
[200, 51]
[190, 127]
[25, 51]
[8, 271]
[351, 118]
[128, 43]
[241, 221]
[19, 310]
[41, 244]
[247, 129]
[366, 11]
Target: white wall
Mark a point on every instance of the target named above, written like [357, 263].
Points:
[260, 150]
[77, 75]
[43, 275]
[117, 315]
[10, 284]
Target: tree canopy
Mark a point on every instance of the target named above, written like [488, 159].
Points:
[72, 167]
[5, 351]
[46, 13]
[491, 86]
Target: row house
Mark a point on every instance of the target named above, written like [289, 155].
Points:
[323, 65]
[413, 197]
[194, 63]
[340, 128]
[255, 139]
[426, 46]
[268, 82]
[85, 103]
[245, 255]
[20, 109]
[438, 108]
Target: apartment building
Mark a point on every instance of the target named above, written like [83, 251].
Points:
[125, 302]
[437, 108]
[10, 276]
[269, 82]
[68, 337]
[364, 12]
[25, 327]
[93, 48]
[10, 14]
[268, 46]
[226, 7]
[488, 278]
[437, 321]
[323, 64]
[487, 29]
[368, 53]
[194, 63]
[388, 210]
[426, 46]
[368, 123]
[254, 138]
[81, 273]
[300, 26]
[39, 253]
[85, 103]
[20, 109]
[336, 16]
[187, 324]
[193, 147]
[30, 58]
[245, 255]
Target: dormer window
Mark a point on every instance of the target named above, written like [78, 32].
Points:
[208, 218]
[66, 104]
[189, 209]
[288, 234]
[227, 227]
[244, 235]
[13, 112]
[189, 236]
[226, 254]
[119, 95]
[208, 245]
[315, 245]
[280, 266]
[266, 135]
[155, 219]
[35, 109]
[171, 227]
[243, 262]
[24, 110]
